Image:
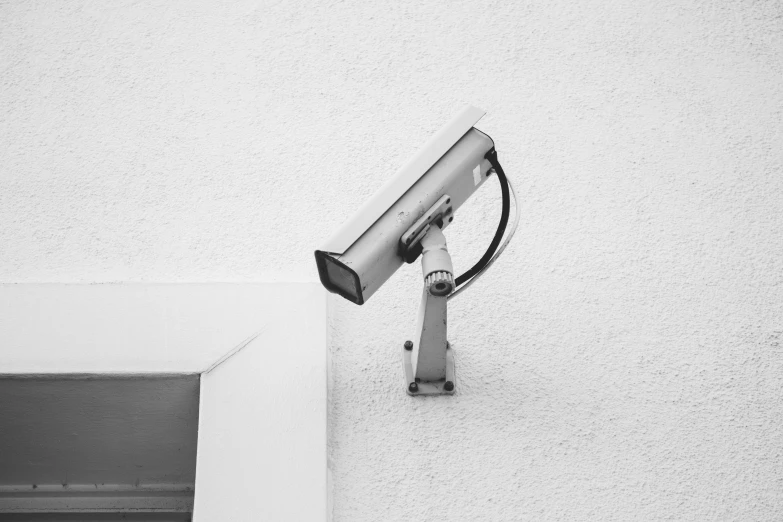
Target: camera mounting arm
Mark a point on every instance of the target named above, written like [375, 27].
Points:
[428, 362]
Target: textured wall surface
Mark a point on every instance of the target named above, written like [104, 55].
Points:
[622, 360]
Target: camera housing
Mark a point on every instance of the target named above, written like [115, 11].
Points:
[386, 231]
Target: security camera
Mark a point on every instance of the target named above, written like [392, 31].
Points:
[404, 220]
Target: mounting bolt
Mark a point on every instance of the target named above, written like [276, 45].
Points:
[413, 387]
[448, 386]
[408, 345]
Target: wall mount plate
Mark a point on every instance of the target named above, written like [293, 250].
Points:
[432, 387]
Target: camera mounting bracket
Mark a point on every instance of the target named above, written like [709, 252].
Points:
[440, 214]
[428, 362]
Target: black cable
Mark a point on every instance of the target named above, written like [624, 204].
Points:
[492, 156]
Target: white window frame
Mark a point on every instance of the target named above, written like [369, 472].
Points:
[262, 354]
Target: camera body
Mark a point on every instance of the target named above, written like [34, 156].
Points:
[368, 248]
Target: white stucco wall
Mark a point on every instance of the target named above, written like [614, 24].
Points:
[622, 360]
